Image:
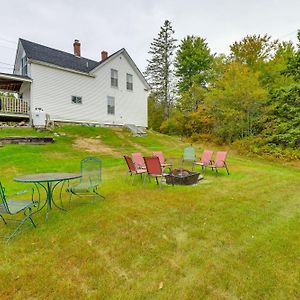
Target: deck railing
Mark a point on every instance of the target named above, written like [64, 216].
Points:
[13, 105]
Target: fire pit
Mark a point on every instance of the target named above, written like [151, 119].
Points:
[182, 177]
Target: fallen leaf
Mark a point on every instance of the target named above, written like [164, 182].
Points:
[161, 285]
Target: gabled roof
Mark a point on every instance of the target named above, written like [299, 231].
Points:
[69, 61]
[56, 57]
[131, 62]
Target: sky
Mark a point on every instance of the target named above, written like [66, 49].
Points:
[132, 24]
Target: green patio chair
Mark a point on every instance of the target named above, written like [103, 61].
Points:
[90, 169]
[189, 155]
[12, 206]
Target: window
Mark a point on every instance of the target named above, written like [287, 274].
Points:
[76, 100]
[129, 82]
[110, 105]
[24, 65]
[114, 78]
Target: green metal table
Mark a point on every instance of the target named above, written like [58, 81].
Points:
[48, 181]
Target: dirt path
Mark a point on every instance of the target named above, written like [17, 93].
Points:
[94, 146]
[137, 146]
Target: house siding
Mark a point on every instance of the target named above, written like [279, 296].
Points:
[53, 88]
[25, 90]
[17, 67]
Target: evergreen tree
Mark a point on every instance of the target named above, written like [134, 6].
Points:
[159, 71]
[293, 67]
[283, 121]
[283, 126]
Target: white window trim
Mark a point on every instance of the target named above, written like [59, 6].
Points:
[128, 82]
[24, 66]
[112, 79]
[110, 106]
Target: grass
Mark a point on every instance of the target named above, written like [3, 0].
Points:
[230, 237]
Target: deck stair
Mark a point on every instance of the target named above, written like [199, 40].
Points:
[136, 130]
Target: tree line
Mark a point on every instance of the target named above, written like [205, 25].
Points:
[250, 97]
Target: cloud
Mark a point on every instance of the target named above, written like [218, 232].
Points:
[104, 25]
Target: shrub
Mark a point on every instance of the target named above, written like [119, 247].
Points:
[175, 125]
[259, 146]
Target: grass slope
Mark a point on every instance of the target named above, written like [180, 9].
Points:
[230, 237]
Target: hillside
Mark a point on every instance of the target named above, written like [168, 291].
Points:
[228, 237]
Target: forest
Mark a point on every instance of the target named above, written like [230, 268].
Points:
[248, 99]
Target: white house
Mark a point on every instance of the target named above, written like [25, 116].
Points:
[71, 88]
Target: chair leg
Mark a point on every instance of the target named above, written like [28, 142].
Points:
[61, 190]
[27, 216]
[98, 194]
[226, 168]
[143, 176]
[39, 196]
[32, 222]
[160, 183]
[132, 179]
[70, 198]
[3, 219]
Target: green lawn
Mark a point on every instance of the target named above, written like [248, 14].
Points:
[229, 237]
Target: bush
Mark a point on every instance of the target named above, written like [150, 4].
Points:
[206, 138]
[260, 147]
[175, 125]
[283, 127]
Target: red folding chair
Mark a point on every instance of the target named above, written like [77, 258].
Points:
[132, 169]
[220, 161]
[162, 159]
[154, 169]
[205, 160]
[138, 160]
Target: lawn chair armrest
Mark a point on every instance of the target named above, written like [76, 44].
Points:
[166, 167]
[22, 192]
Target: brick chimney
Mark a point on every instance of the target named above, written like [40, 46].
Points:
[76, 46]
[104, 55]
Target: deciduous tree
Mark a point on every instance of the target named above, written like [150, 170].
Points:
[193, 63]
[254, 50]
[236, 103]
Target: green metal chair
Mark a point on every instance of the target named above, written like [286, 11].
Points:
[189, 155]
[90, 180]
[14, 207]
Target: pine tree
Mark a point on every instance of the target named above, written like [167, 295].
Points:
[293, 67]
[159, 71]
